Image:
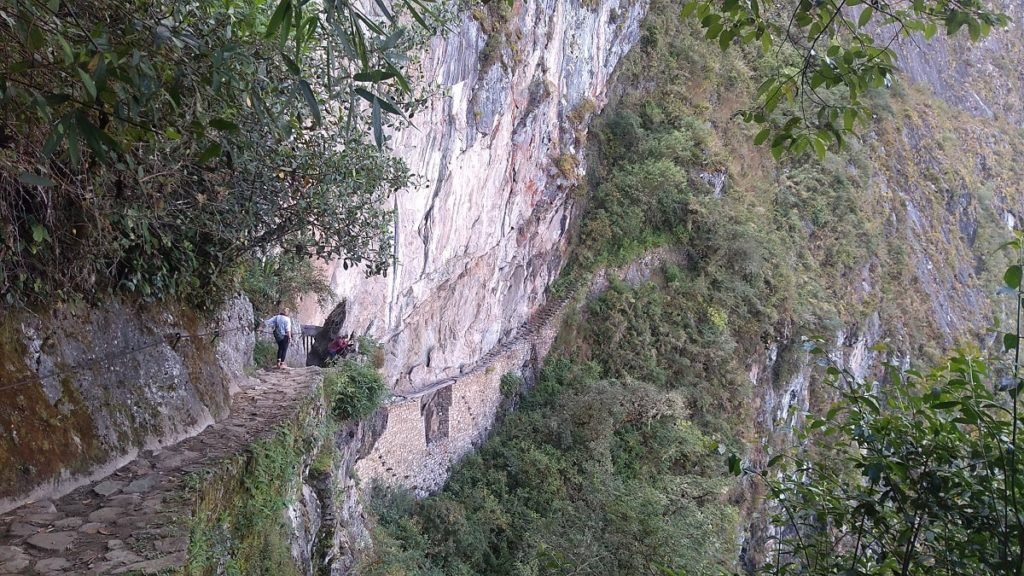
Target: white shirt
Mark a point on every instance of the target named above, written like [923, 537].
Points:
[281, 324]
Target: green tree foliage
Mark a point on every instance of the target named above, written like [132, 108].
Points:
[918, 474]
[834, 52]
[678, 336]
[511, 384]
[152, 146]
[773, 239]
[282, 277]
[355, 389]
[591, 476]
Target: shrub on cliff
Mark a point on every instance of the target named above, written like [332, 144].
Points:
[917, 474]
[355, 389]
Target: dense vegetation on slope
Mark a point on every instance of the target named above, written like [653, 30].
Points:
[612, 465]
[800, 247]
[166, 149]
[918, 477]
[240, 525]
[605, 476]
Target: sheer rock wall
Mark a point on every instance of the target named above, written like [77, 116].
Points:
[499, 152]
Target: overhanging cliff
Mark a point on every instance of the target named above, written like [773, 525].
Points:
[500, 154]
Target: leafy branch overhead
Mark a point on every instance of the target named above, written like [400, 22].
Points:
[160, 141]
[830, 54]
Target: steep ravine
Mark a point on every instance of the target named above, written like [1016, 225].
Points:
[479, 243]
[461, 287]
[948, 203]
[932, 189]
[501, 153]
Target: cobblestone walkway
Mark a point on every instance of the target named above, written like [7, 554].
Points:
[135, 520]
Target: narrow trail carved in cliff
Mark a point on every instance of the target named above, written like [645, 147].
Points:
[136, 520]
[549, 311]
[594, 283]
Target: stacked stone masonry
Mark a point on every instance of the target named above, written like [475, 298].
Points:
[414, 453]
[430, 429]
[136, 520]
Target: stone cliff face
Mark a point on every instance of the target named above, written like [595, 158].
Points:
[478, 245]
[944, 173]
[85, 389]
[499, 152]
[984, 79]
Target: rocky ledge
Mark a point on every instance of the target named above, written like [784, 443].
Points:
[137, 520]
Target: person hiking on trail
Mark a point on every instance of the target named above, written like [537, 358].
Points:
[281, 324]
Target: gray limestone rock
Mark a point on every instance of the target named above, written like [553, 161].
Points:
[143, 532]
[15, 566]
[154, 394]
[9, 553]
[19, 529]
[235, 346]
[487, 146]
[168, 545]
[68, 523]
[108, 514]
[137, 521]
[77, 508]
[144, 484]
[155, 566]
[91, 527]
[122, 556]
[39, 507]
[52, 566]
[52, 541]
[108, 487]
[172, 460]
[126, 501]
[43, 519]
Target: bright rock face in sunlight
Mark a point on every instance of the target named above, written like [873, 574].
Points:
[499, 151]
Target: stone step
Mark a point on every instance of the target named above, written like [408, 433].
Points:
[135, 520]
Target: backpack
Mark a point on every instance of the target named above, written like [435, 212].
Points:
[279, 331]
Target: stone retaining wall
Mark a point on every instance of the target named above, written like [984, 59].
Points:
[426, 435]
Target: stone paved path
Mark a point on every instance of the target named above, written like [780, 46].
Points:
[133, 522]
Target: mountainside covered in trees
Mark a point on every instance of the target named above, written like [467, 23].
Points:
[184, 151]
[887, 249]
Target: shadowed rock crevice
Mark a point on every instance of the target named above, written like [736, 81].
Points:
[317, 355]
